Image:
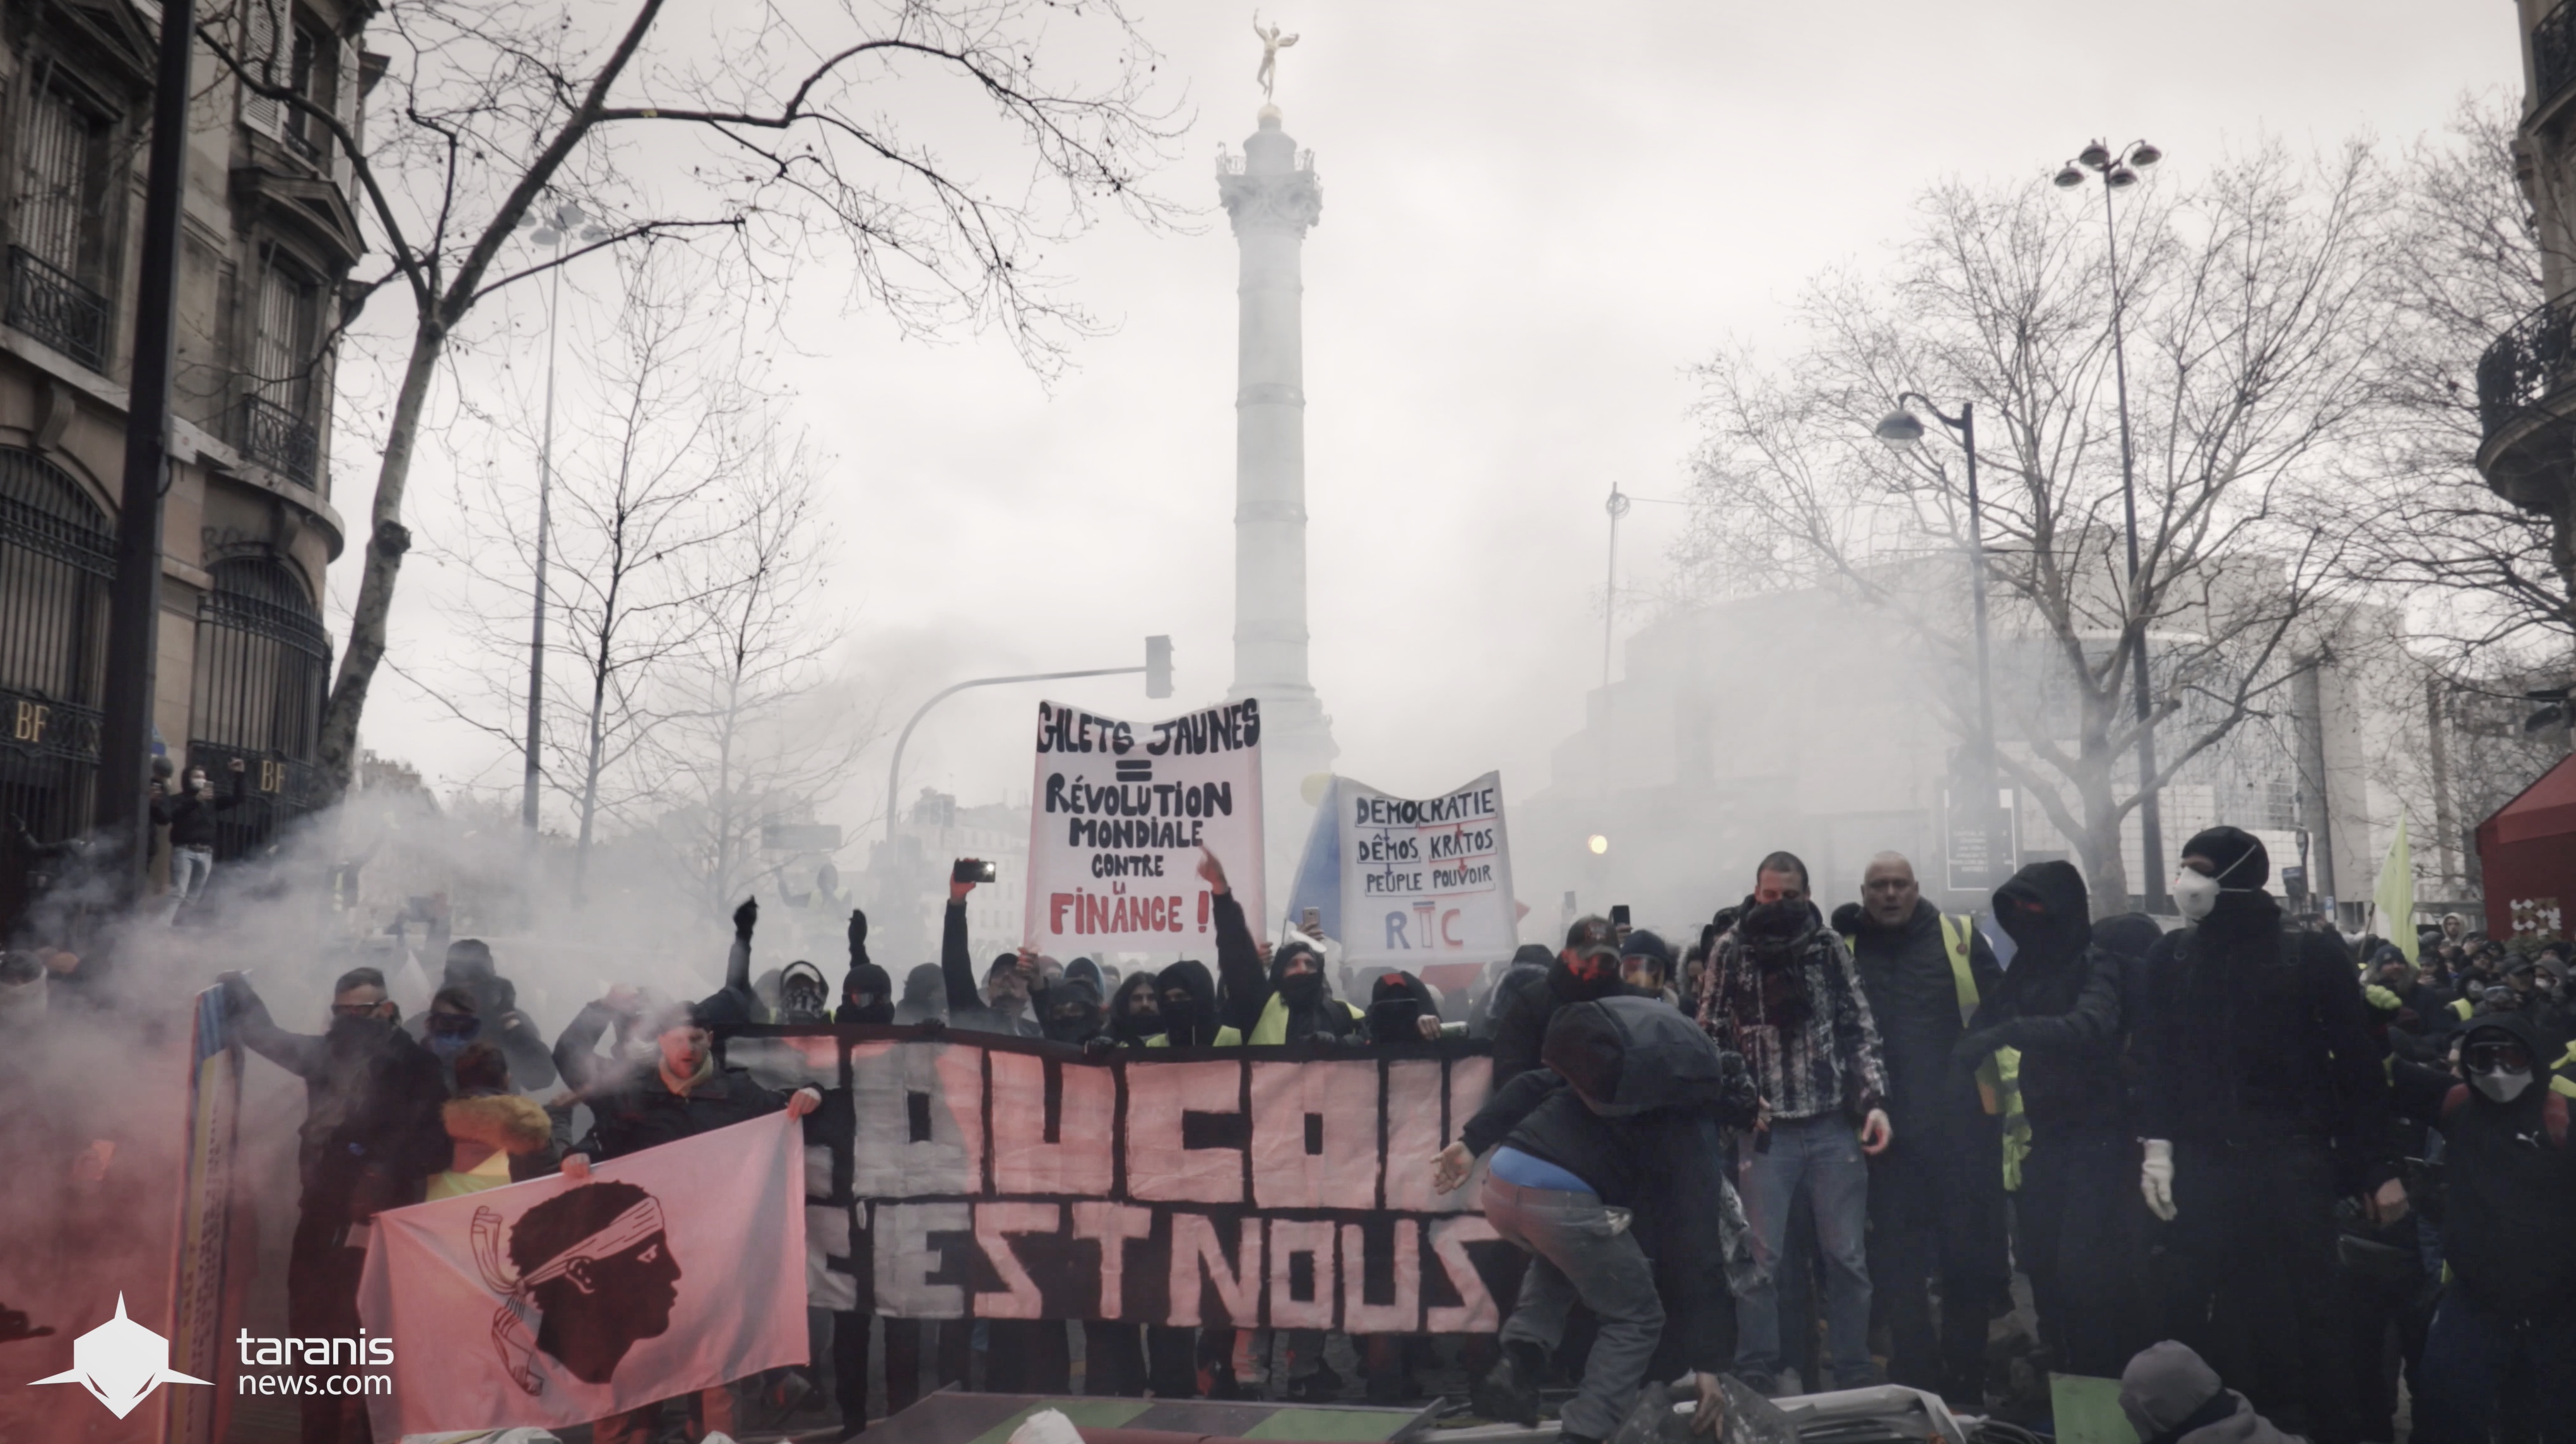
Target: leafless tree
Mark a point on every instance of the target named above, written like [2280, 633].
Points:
[2251, 306]
[795, 135]
[757, 728]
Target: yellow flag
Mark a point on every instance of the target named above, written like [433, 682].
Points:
[2396, 895]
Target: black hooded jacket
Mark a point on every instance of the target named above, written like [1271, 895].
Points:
[1396, 1002]
[1249, 988]
[2061, 1003]
[1521, 1031]
[2509, 1179]
[966, 1006]
[496, 1002]
[866, 980]
[1641, 1123]
[1914, 996]
[1195, 1025]
[372, 1134]
[2253, 1035]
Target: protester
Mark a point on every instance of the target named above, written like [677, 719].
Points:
[925, 997]
[469, 965]
[451, 1026]
[497, 1137]
[803, 994]
[623, 1008]
[1784, 993]
[1936, 1193]
[1403, 1009]
[1188, 1004]
[1286, 1003]
[1002, 1005]
[2509, 1185]
[2172, 1397]
[1646, 966]
[191, 819]
[1074, 1015]
[683, 1095]
[1586, 970]
[867, 996]
[1605, 1169]
[2262, 1101]
[372, 1136]
[1526, 968]
[2064, 1007]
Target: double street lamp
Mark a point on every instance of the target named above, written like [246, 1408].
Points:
[2119, 171]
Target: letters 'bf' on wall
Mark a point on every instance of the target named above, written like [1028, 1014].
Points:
[974, 1176]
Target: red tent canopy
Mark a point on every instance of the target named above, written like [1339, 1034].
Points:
[2527, 851]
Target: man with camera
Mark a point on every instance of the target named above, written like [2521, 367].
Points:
[191, 819]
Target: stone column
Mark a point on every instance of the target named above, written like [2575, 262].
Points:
[1272, 197]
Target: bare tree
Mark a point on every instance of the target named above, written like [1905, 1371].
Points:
[758, 729]
[2250, 313]
[785, 133]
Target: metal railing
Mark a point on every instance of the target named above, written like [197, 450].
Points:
[2526, 363]
[48, 304]
[2553, 54]
[277, 438]
[306, 138]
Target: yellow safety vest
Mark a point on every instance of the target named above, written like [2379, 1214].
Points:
[1271, 1027]
[1999, 1077]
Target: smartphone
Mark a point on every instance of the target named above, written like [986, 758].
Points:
[972, 870]
[1311, 922]
[1618, 915]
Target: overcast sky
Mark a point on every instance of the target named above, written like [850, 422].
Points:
[1536, 218]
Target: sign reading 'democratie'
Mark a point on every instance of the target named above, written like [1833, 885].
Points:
[1425, 880]
[1118, 812]
[975, 1176]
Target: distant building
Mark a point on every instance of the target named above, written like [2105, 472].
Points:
[269, 234]
[907, 880]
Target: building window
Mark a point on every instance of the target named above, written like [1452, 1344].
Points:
[263, 665]
[312, 72]
[57, 552]
[277, 430]
[58, 224]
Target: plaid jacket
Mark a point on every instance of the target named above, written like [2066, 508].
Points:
[1828, 1058]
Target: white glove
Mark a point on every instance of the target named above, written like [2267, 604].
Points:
[2155, 1179]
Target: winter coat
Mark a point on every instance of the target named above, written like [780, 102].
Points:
[2252, 1036]
[925, 996]
[966, 1006]
[1249, 1000]
[372, 1133]
[1802, 1022]
[505, 1025]
[191, 820]
[519, 1135]
[2064, 1004]
[1520, 1029]
[2509, 1180]
[1527, 968]
[2172, 1397]
[1913, 995]
[1196, 1025]
[1649, 1140]
[642, 1112]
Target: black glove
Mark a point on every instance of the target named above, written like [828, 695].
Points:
[1099, 1045]
[746, 917]
[858, 936]
[1970, 1052]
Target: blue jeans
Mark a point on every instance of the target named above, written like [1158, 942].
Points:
[1579, 1248]
[189, 869]
[1824, 1153]
[2467, 1357]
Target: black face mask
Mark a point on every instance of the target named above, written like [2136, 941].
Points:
[1137, 1027]
[1396, 1020]
[866, 1008]
[1072, 1024]
[1301, 990]
[354, 1033]
[801, 1002]
[1773, 929]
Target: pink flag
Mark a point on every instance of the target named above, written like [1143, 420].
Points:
[553, 1303]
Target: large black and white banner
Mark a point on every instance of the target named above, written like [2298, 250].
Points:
[968, 1175]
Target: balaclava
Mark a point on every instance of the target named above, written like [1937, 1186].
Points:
[1189, 1024]
[1073, 1012]
[867, 996]
[803, 996]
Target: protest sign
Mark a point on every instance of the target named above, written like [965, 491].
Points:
[554, 1302]
[1117, 815]
[980, 1176]
[1425, 881]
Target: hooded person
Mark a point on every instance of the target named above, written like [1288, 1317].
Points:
[1074, 1015]
[1528, 964]
[1605, 1166]
[1398, 1004]
[2061, 1007]
[2509, 1188]
[867, 996]
[1286, 1002]
[1587, 969]
[1188, 1004]
[2262, 1101]
[1135, 1012]
[469, 965]
[804, 996]
[925, 997]
[2172, 1397]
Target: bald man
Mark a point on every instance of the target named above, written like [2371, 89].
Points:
[1936, 1198]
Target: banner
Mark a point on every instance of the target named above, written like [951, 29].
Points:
[1425, 881]
[551, 1302]
[1117, 815]
[976, 1176]
[197, 1416]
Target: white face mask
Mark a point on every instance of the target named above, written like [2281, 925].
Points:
[2196, 893]
[2502, 1085]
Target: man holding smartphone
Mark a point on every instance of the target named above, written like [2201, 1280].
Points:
[1005, 1003]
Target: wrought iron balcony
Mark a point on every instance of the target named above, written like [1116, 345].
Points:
[2553, 54]
[2523, 365]
[277, 439]
[309, 142]
[48, 304]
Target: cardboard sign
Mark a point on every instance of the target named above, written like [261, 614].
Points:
[1426, 880]
[1117, 815]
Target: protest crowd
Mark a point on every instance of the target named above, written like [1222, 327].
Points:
[2255, 1171]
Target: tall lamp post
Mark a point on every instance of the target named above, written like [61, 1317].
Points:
[550, 231]
[2119, 171]
[1903, 429]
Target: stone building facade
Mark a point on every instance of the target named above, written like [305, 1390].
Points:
[269, 236]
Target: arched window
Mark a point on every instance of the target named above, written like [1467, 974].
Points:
[57, 553]
[263, 662]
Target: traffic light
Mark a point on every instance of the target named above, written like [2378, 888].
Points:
[1158, 666]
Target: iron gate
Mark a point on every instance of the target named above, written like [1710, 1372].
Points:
[263, 661]
[57, 554]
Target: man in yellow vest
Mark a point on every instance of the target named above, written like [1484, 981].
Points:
[1936, 1199]
[1285, 1003]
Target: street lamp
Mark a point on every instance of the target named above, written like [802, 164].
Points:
[2118, 172]
[1617, 506]
[1902, 429]
[549, 231]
